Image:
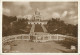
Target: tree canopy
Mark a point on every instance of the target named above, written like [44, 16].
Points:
[57, 26]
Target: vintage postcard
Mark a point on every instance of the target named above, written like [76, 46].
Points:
[40, 27]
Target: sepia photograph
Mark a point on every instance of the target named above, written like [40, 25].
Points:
[39, 27]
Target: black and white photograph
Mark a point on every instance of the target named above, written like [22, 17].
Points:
[39, 27]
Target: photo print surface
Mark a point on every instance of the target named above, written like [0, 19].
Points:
[40, 27]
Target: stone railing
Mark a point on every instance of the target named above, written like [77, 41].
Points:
[49, 37]
[36, 38]
[15, 37]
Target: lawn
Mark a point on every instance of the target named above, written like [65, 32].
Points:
[38, 28]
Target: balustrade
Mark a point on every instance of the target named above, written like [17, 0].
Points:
[36, 38]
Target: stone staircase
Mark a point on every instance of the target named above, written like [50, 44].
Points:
[32, 28]
[44, 29]
[32, 31]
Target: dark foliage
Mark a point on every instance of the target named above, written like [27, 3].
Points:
[6, 29]
[11, 26]
[58, 26]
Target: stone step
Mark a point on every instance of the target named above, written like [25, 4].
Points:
[44, 29]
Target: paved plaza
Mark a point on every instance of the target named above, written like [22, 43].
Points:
[35, 47]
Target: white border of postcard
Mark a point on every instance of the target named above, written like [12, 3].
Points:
[40, 53]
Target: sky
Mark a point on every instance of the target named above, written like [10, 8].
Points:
[66, 11]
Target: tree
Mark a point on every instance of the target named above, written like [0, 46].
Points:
[57, 26]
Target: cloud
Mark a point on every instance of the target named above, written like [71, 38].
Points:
[49, 9]
[6, 11]
[75, 22]
[25, 17]
[73, 17]
[63, 10]
[45, 15]
[23, 5]
[17, 8]
[22, 8]
[29, 17]
[19, 16]
[55, 15]
[72, 12]
[64, 13]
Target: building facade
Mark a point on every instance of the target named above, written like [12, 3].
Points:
[36, 18]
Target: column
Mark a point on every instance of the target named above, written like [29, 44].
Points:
[50, 38]
[36, 38]
[57, 37]
[43, 38]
